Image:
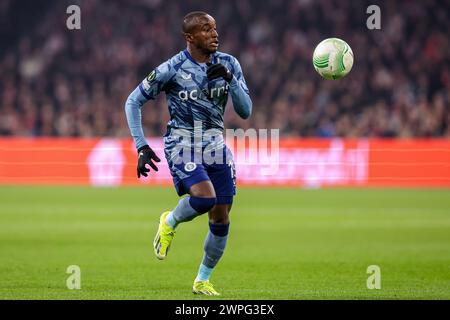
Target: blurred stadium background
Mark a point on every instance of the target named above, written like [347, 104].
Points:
[60, 83]
[386, 125]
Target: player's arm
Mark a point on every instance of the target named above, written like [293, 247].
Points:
[238, 88]
[148, 89]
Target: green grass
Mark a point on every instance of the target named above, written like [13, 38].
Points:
[284, 244]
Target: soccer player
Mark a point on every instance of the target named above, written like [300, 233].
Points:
[197, 82]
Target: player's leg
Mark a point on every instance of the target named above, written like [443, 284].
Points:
[188, 178]
[223, 178]
[201, 199]
[214, 247]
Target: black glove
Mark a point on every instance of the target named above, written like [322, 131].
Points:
[146, 155]
[218, 71]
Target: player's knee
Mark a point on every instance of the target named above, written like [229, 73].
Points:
[220, 214]
[202, 205]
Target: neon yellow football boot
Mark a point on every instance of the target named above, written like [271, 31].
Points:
[204, 287]
[163, 238]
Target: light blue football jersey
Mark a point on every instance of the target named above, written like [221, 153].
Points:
[195, 104]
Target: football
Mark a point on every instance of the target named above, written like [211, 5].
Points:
[333, 58]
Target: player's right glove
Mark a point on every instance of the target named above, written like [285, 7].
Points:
[218, 70]
[146, 155]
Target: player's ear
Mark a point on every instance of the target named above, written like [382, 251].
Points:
[188, 37]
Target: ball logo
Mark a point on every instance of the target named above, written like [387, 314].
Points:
[151, 76]
[146, 83]
[190, 166]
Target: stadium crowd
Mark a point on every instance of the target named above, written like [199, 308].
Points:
[60, 82]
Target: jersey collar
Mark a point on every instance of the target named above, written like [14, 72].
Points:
[188, 55]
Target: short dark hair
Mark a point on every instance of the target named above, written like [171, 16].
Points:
[189, 20]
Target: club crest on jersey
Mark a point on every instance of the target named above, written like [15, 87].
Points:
[190, 166]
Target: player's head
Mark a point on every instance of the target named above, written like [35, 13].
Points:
[199, 30]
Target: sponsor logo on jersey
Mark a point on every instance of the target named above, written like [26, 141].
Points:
[195, 94]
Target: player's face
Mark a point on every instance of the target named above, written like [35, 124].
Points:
[205, 36]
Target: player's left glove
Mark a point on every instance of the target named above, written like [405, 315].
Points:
[146, 155]
[218, 70]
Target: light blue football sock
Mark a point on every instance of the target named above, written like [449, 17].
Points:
[188, 208]
[170, 220]
[204, 273]
[182, 212]
[215, 244]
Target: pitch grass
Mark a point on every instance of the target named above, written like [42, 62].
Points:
[284, 244]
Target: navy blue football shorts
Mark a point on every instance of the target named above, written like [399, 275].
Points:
[222, 175]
